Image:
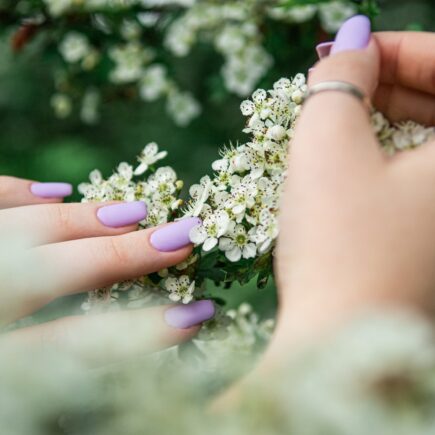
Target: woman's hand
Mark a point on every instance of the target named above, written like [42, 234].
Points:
[52, 249]
[357, 227]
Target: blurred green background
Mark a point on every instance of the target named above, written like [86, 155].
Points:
[36, 145]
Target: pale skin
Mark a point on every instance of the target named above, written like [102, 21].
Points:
[62, 249]
[358, 228]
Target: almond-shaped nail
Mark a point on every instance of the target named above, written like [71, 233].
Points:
[324, 48]
[174, 235]
[51, 190]
[186, 316]
[354, 34]
[121, 215]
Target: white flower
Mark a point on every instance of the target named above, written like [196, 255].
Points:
[162, 185]
[89, 110]
[247, 107]
[154, 83]
[129, 62]
[207, 234]
[62, 105]
[334, 13]
[125, 170]
[180, 289]
[182, 107]
[237, 243]
[74, 47]
[266, 232]
[148, 19]
[199, 193]
[149, 155]
[276, 132]
[242, 197]
[58, 7]
[297, 14]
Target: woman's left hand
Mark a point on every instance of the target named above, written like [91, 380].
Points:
[49, 250]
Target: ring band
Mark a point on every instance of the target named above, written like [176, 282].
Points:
[335, 85]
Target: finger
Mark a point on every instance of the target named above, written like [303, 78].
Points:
[50, 223]
[81, 265]
[336, 118]
[399, 103]
[116, 336]
[406, 75]
[15, 192]
[407, 60]
[324, 49]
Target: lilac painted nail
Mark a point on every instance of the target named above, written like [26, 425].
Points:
[354, 34]
[51, 190]
[174, 236]
[186, 316]
[324, 48]
[120, 215]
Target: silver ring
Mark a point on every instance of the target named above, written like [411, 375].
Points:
[335, 85]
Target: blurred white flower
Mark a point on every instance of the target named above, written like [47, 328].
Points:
[153, 83]
[74, 47]
[62, 105]
[334, 13]
[182, 107]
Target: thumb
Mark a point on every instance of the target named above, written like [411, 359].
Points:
[354, 57]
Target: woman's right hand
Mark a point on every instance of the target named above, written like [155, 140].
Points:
[49, 250]
[357, 227]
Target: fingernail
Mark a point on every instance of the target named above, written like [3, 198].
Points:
[121, 215]
[186, 316]
[354, 34]
[51, 190]
[323, 49]
[174, 236]
[310, 70]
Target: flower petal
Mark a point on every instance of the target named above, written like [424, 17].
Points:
[209, 244]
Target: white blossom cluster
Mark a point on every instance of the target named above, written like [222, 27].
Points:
[159, 191]
[331, 14]
[133, 63]
[235, 29]
[239, 205]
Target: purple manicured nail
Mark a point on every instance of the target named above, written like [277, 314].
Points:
[324, 48]
[51, 190]
[120, 215]
[354, 34]
[186, 316]
[174, 236]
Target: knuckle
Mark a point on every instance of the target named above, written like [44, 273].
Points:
[116, 251]
[62, 216]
